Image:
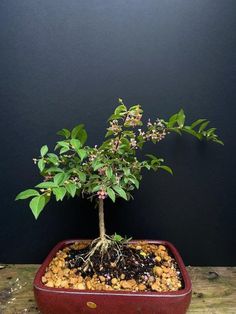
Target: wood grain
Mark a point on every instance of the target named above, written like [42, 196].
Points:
[214, 289]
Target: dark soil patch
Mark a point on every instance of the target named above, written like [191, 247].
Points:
[141, 267]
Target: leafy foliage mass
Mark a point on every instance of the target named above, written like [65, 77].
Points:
[112, 169]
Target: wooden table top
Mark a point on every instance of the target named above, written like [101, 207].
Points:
[214, 289]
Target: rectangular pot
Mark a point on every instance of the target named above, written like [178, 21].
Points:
[72, 301]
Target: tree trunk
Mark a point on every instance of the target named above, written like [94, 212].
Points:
[102, 230]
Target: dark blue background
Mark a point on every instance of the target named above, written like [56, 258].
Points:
[66, 62]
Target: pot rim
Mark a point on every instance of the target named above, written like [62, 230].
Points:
[38, 285]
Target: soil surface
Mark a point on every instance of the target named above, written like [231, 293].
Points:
[141, 267]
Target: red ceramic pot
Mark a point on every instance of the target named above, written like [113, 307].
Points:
[72, 301]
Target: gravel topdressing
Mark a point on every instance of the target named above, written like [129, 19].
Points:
[142, 267]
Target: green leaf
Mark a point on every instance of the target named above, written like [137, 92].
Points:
[96, 188]
[152, 157]
[59, 178]
[135, 182]
[128, 133]
[216, 140]
[135, 107]
[120, 191]
[37, 204]
[203, 126]
[64, 132]
[79, 133]
[64, 150]
[82, 176]
[82, 153]
[105, 144]
[52, 155]
[166, 168]
[114, 117]
[62, 144]
[181, 118]
[109, 172]
[53, 158]
[43, 150]
[196, 123]
[172, 121]
[109, 133]
[26, 194]
[118, 238]
[76, 130]
[54, 169]
[126, 171]
[97, 164]
[59, 192]
[120, 109]
[41, 164]
[47, 199]
[188, 129]
[211, 131]
[111, 194]
[94, 176]
[75, 143]
[71, 188]
[146, 165]
[125, 145]
[46, 185]
[155, 161]
[82, 136]
[176, 130]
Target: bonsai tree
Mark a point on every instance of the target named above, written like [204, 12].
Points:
[110, 170]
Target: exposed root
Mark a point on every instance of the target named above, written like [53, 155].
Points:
[102, 245]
